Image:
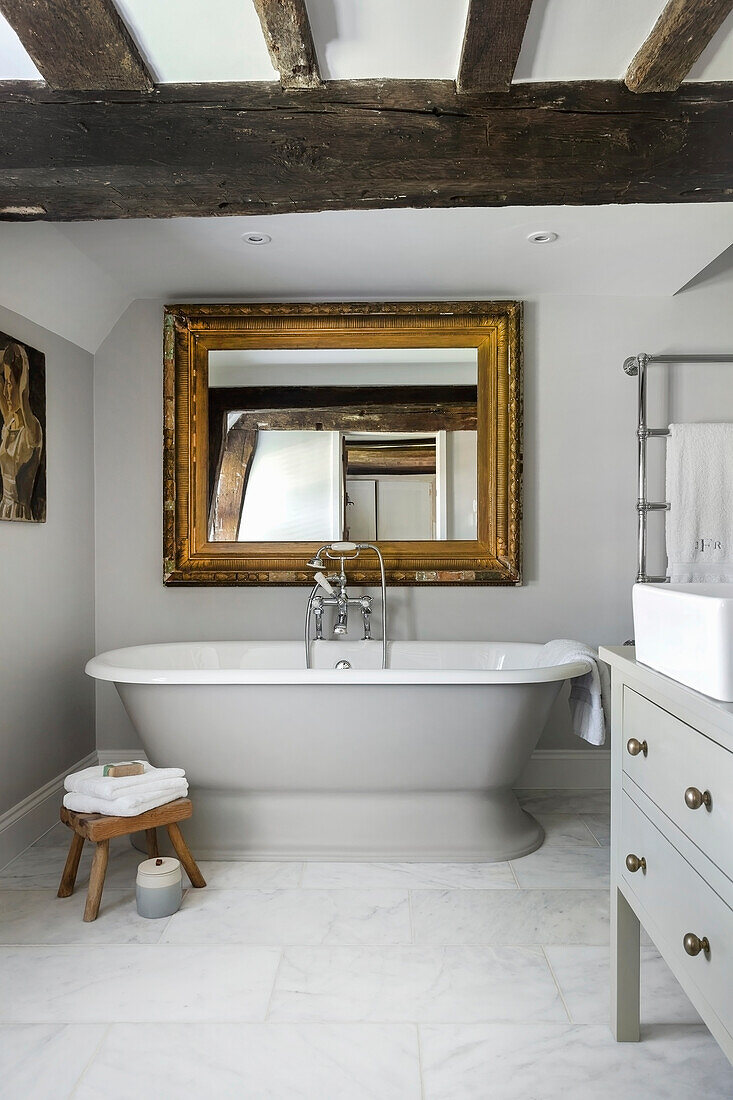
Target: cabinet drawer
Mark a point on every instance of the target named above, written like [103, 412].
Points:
[679, 901]
[681, 761]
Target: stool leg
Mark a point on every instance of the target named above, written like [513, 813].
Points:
[96, 880]
[151, 840]
[181, 850]
[68, 878]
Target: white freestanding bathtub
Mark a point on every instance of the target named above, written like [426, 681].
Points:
[414, 762]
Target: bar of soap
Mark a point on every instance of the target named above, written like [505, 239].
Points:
[116, 771]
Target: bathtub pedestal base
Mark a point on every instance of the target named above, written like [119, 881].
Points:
[395, 826]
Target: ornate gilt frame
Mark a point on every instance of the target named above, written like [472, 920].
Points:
[190, 332]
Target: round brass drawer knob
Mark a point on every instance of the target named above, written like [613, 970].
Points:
[693, 945]
[634, 747]
[695, 798]
[635, 863]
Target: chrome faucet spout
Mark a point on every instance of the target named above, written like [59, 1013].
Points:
[342, 619]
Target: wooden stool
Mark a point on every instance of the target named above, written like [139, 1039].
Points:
[99, 829]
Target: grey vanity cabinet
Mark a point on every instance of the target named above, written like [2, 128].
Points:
[671, 842]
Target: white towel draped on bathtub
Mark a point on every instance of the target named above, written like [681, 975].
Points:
[590, 694]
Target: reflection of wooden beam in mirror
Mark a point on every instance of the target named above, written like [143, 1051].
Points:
[340, 408]
[232, 475]
[395, 457]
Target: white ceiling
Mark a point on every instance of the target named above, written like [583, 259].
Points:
[77, 278]
[212, 40]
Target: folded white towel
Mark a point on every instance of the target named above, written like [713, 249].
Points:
[700, 494]
[124, 805]
[590, 694]
[92, 781]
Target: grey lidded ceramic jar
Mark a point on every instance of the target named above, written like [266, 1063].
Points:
[158, 889]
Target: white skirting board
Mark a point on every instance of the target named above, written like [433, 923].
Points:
[548, 769]
[24, 823]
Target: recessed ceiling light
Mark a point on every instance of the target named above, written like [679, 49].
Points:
[256, 238]
[542, 237]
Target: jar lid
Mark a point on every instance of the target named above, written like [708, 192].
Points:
[160, 867]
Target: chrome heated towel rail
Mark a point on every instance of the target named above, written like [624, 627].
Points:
[637, 365]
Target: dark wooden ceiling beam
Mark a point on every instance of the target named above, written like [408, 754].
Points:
[287, 31]
[491, 44]
[78, 44]
[677, 39]
[256, 149]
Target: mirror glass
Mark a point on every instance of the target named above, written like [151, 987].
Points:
[322, 444]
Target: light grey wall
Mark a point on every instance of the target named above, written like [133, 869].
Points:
[47, 587]
[579, 493]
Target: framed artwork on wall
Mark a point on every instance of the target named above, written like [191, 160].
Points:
[22, 431]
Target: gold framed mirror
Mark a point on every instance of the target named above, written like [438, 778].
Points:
[292, 425]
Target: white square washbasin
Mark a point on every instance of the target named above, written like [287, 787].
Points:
[686, 632]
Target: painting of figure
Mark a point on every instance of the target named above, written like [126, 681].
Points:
[22, 431]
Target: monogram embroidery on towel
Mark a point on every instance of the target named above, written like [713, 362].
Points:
[708, 544]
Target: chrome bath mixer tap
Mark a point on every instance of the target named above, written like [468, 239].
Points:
[334, 585]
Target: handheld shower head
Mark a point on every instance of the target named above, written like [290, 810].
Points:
[316, 562]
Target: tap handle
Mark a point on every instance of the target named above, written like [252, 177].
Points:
[325, 584]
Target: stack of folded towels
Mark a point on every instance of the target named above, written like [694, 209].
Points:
[92, 792]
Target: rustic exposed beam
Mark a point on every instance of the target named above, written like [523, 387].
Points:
[677, 39]
[255, 149]
[287, 31]
[235, 466]
[491, 44]
[80, 44]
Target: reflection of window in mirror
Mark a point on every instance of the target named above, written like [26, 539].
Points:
[366, 444]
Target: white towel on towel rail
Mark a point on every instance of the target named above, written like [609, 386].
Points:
[700, 495]
[124, 805]
[590, 694]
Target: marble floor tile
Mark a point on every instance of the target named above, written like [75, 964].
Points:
[414, 876]
[256, 1062]
[41, 1061]
[600, 826]
[565, 830]
[132, 983]
[571, 1062]
[250, 874]
[583, 976]
[564, 868]
[415, 983]
[42, 866]
[56, 837]
[291, 917]
[566, 802]
[522, 917]
[39, 917]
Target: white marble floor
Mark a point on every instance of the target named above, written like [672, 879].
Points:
[340, 981]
